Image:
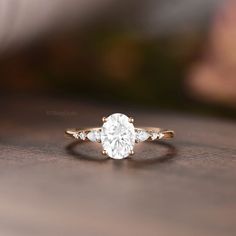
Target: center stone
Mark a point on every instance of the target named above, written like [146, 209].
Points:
[118, 136]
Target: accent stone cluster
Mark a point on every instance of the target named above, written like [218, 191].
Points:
[140, 135]
[93, 135]
[143, 135]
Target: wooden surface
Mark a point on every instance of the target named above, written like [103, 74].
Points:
[186, 187]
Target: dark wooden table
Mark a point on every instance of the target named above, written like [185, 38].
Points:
[185, 187]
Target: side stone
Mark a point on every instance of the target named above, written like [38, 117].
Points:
[94, 136]
[142, 135]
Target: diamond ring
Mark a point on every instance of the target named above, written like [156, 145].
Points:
[118, 135]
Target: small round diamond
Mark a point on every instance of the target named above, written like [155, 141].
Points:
[82, 136]
[118, 136]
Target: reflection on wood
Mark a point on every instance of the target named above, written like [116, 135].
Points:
[47, 191]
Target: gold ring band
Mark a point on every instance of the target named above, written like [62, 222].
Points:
[118, 135]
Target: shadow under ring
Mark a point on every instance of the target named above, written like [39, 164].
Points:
[169, 153]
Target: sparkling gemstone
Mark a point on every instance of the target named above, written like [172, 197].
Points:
[161, 135]
[82, 136]
[76, 135]
[94, 136]
[154, 135]
[118, 136]
[142, 135]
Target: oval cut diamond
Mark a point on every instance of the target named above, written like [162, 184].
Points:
[118, 136]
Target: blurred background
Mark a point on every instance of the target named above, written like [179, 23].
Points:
[169, 54]
[67, 63]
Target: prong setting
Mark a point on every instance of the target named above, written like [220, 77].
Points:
[131, 119]
[118, 135]
[131, 152]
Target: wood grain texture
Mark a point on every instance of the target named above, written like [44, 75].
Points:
[185, 187]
